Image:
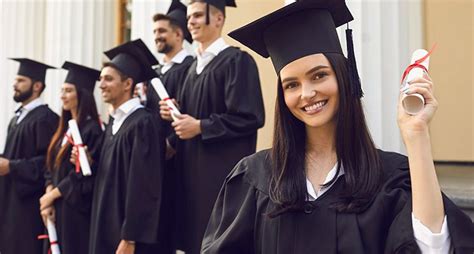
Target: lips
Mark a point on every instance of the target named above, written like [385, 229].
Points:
[315, 107]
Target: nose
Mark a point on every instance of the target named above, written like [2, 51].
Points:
[308, 91]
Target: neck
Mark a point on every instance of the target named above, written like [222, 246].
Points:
[172, 54]
[321, 140]
[205, 44]
[27, 101]
[116, 104]
[74, 114]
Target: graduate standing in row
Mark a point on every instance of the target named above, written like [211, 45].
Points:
[128, 188]
[22, 164]
[222, 108]
[324, 187]
[68, 196]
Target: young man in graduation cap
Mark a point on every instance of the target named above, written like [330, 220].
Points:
[23, 162]
[222, 108]
[127, 193]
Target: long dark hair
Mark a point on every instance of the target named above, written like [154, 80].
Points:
[86, 108]
[354, 147]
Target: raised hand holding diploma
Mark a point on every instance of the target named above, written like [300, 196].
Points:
[161, 90]
[83, 161]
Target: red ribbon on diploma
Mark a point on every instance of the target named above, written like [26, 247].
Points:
[417, 64]
[42, 237]
[70, 141]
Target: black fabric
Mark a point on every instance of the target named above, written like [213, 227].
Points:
[73, 209]
[128, 187]
[221, 4]
[239, 223]
[296, 30]
[177, 12]
[32, 69]
[133, 59]
[227, 98]
[81, 76]
[21, 189]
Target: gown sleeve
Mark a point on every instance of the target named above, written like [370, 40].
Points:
[243, 100]
[398, 207]
[231, 225]
[144, 183]
[28, 174]
[75, 188]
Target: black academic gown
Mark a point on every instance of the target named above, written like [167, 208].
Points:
[173, 81]
[239, 223]
[73, 209]
[127, 191]
[20, 191]
[227, 98]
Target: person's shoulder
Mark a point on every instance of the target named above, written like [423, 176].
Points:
[393, 163]
[92, 125]
[254, 169]
[44, 114]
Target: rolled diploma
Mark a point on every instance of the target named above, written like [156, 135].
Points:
[76, 136]
[53, 237]
[414, 103]
[141, 94]
[161, 90]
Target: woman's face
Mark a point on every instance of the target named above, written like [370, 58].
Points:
[310, 90]
[69, 97]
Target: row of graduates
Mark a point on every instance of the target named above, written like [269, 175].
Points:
[322, 188]
[136, 201]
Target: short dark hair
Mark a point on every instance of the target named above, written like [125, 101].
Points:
[173, 23]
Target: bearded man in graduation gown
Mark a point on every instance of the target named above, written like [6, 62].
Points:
[222, 108]
[127, 193]
[22, 164]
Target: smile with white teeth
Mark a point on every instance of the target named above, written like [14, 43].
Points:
[315, 107]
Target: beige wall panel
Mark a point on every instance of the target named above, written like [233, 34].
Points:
[450, 25]
[247, 11]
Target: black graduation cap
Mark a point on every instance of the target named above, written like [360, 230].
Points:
[133, 59]
[81, 76]
[219, 4]
[177, 12]
[32, 69]
[300, 29]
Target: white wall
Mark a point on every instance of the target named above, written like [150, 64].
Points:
[51, 31]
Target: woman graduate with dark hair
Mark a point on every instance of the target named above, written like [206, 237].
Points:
[68, 196]
[324, 187]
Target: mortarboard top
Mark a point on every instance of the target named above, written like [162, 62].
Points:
[300, 29]
[32, 69]
[221, 4]
[177, 12]
[81, 76]
[133, 59]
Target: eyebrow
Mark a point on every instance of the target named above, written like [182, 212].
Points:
[317, 68]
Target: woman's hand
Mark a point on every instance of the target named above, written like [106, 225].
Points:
[50, 213]
[411, 125]
[48, 198]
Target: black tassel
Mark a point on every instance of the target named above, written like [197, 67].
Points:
[207, 14]
[356, 87]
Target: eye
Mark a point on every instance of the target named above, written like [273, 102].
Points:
[319, 75]
[290, 85]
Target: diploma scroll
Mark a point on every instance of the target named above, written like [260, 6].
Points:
[53, 237]
[76, 136]
[161, 90]
[414, 103]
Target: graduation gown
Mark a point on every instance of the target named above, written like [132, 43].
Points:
[227, 98]
[173, 81]
[73, 209]
[239, 225]
[127, 190]
[21, 189]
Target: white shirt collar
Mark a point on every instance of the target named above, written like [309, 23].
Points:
[125, 108]
[312, 192]
[177, 59]
[28, 108]
[204, 58]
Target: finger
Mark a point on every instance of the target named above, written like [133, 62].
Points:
[427, 95]
[420, 80]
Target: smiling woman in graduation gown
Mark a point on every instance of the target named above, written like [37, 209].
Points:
[372, 201]
[68, 190]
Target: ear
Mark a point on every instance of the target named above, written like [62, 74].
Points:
[128, 84]
[219, 17]
[38, 87]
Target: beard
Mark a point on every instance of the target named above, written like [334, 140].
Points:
[23, 96]
[166, 48]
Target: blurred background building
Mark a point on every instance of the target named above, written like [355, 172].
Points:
[386, 32]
